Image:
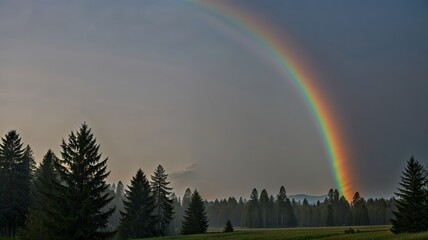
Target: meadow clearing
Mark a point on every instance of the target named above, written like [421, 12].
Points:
[325, 233]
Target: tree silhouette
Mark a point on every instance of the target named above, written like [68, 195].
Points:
[81, 194]
[228, 227]
[38, 219]
[410, 214]
[252, 211]
[195, 218]
[163, 202]
[360, 213]
[264, 208]
[15, 180]
[137, 220]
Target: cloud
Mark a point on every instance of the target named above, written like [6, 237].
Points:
[188, 174]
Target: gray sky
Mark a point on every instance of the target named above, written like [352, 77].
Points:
[160, 85]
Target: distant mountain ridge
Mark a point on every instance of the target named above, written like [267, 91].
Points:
[309, 198]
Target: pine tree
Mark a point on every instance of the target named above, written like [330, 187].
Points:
[329, 208]
[306, 214]
[38, 218]
[282, 198]
[195, 218]
[426, 197]
[253, 216]
[289, 213]
[174, 226]
[410, 215]
[111, 205]
[329, 215]
[32, 166]
[271, 212]
[336, 196]
[25, 172]
[28, 154]
[15, 177]
[228, 227]
[118, 202]
[81, 195]
[360, 214]
[163, 202]
[186, 198]
[345, 212]
[137, 220]
[264, 208]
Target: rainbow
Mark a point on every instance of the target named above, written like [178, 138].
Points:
[280, 53]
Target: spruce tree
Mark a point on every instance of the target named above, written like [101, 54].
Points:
[264, 208]
[410, 214]
[281, 200]
[118, 202]
[38, 220]
[137, 220]
[344, 212]
[195, 218]
[30, 162]
[426, 197]
[291, 220]
[187, 198]
[174, 226]
[253, 216]
[329, 215]
[110, 191]
[15, 177]
[163, 201]
[360, 214]
[271, 212]
[228, 227]
[81, 194]
[25, 171]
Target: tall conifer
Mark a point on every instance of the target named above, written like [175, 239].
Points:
[137, 219]
[195, 218]
[163, 201]
[410, 214]
[253, 216]
[15, 177]
[281, 200]
[81, 194]
[264, 208]
[38, 219]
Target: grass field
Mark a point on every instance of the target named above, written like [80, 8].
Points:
[333, 233]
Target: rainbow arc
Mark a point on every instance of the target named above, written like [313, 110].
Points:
[291, 68]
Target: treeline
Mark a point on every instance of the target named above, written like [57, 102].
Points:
[68, 197]
[279, 211]
[267, 211]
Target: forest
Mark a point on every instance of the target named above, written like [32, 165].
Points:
[68, 197]
[276, 212]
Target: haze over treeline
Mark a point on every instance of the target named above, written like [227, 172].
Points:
[162, 85]
[68, 197]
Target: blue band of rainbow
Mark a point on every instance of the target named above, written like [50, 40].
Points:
[281, 54]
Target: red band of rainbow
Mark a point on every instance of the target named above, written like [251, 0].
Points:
[291, 69]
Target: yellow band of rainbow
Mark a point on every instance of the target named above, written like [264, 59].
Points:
[292, 69]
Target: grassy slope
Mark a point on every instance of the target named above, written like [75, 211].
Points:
[366, 233]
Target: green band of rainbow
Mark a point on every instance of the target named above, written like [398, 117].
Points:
[291, 68]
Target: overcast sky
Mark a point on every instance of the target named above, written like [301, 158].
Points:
[159, 84]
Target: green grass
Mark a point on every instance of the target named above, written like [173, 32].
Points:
[333, 233]
[328, 233]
